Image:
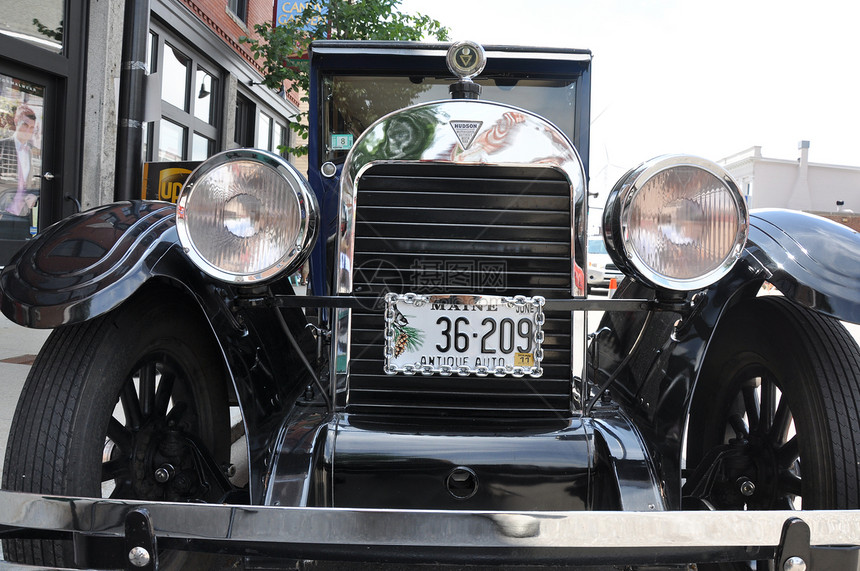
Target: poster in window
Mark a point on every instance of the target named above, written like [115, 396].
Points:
[21, 113]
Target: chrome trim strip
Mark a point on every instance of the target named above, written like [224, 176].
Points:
[440, 51]
[417, 528]
[507, 136]
[162, 217]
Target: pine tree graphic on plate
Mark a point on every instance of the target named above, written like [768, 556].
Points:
[408, 338]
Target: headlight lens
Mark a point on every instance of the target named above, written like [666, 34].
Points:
[246, 215]
[676, 222]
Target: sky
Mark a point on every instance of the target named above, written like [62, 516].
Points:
[699, 77]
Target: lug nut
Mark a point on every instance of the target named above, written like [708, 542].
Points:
[747, 486]
[794, 564]
[139, 557]
[164, 473]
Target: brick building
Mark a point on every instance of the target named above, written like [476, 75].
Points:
[167, 78]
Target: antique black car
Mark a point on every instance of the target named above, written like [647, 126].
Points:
[437, 395]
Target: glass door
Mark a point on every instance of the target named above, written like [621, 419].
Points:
[25, 118]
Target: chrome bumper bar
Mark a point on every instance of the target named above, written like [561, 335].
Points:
[457, 537]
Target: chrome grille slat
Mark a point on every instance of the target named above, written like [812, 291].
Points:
[404, 239]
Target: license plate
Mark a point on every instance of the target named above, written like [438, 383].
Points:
[463, 335]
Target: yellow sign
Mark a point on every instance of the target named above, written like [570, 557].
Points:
[163, 181]
[170, 183]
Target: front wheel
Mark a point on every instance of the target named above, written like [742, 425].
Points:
[773, 423]
[130, 405]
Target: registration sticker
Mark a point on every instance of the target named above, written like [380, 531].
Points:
[341, 142]
[463, 335]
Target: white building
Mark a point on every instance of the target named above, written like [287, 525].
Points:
[796, 184]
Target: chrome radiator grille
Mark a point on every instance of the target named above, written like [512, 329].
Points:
[461, 229]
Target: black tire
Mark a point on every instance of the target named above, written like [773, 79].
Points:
[778, 402]
[154, 359]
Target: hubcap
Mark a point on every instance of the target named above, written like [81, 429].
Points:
[147, 454]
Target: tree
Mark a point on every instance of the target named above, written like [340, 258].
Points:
[282, 49]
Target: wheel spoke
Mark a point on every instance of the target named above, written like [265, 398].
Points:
[751, 406]
[176, 413]
[115, 469]
[768, 404]
[790, 483]
[781, 421]
[131, 405]
[147, 388]
[120, 435]
[164, 392]
[739, 426]
[787, 454]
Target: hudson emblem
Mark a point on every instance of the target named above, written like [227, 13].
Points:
[466, 131]
[465, 56]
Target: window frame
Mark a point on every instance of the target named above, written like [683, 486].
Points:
[159, 36]
[270, 143]
[240, 12]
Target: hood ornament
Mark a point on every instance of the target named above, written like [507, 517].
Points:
[466, 60]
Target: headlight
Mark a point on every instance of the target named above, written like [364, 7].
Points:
[246, 215]
[676, 222]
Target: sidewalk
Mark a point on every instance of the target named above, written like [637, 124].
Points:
[18, 348]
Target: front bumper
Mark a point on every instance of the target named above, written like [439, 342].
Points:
[823, 539]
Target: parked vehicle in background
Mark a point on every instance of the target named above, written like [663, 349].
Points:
[421, 404]
[600, 269]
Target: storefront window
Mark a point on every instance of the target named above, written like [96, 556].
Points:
[171, 141]
[21, 118]
[201, 147]
[174, 78]
[203, 105]
[244, 126]
[264, 131]
[191, 99]
[38, 23]
[271, 134]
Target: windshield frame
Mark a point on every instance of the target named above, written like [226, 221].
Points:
[404, 59]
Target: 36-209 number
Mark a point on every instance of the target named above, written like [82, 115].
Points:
[501, 336]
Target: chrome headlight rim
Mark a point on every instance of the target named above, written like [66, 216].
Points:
[295, 183]
[616, 223]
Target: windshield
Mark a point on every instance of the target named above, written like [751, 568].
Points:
[353, 103]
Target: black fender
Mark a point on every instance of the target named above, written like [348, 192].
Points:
[88, 264]
[811, 260]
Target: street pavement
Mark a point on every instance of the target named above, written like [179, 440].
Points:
[19, 346]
